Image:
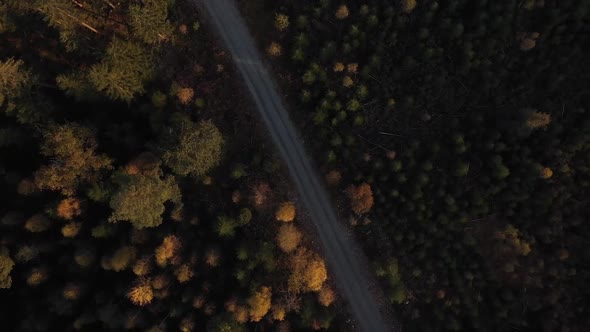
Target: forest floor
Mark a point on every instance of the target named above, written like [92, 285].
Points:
[346, 263]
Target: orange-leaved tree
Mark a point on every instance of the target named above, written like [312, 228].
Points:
[361, 198]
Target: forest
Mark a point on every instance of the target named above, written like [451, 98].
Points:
[140, 190]
[456, 137]
[135, 195]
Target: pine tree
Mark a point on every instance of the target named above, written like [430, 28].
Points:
[14, 79]
[149, 21]
[72, 148]
[192, 148]
[123, 72]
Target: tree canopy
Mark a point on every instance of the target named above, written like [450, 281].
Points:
[141, 200]
[192, 148]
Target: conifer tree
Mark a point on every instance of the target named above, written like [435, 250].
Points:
[192, 148]
[72, 149]
[123, 72]
[149, 21]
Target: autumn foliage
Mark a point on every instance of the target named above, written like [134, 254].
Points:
[169, 247]
[308, 271]
[361, 198]
[286, 212]
[326, 296]
[288, 237]
[259, 303]
[141, 294]
[69, 208]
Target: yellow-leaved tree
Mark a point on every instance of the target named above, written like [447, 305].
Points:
[259, 303]
[141, 294]
[286, 212]
[308, 271]
[288, 237]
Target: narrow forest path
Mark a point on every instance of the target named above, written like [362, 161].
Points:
[345, 264]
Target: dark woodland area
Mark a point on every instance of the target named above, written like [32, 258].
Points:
[140, 190]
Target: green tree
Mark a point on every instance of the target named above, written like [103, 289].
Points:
[122, 258]
[192, 148]
[6, 264]
[123, 72]
[67, 16]
[148, 21]
[72, 150]
[224, 323]
[14, 79]
[226, 226]
[141, 200]
[76, 85]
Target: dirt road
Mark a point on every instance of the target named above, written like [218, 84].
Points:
[344, 263]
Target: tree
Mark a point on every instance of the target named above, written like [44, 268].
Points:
[259, 303]
[65, 16]
[361, 198]
[274, 49]
[68, 208]
[308, 271]
[408, 5]
[326, 296]
[226, 226]
[288, 237]
[149, 21]
[72, 150]
[286, 212]
[122, 258]
[538, 120]
[546, 173]
[143, 266]
[37, 223]
[342, 12]
[184, 273]
[281, 22]
[124, 70]
[141, 294]
[76, 85]
[71, 229]
[185, 95]
[141, 200]
[224, 322]
[37, 276]
[192, 148]
[170, 246]
[14, 80]
[6, 264]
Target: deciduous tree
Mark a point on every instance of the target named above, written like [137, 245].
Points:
[141, 294]
[6, 264]
[259, 303]
[71, 148]
[288, 237]
[361, 198]
[286, 212]
[141, 200]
